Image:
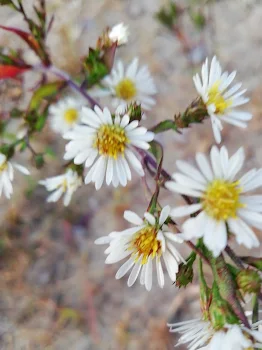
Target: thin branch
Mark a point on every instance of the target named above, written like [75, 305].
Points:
[198, 251]
[64, 76]
[236, 259]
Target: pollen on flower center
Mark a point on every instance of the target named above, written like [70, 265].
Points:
[145, 244]
[71, 115]
[216, 98]
[3, 166]
[221, 200]
[111, 140]
[125, 89]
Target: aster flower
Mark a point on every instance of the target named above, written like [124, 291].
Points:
[220, 100]
[200, 335]
[65, 184]
[223, 199]
[107, 145]
[129, 85]
[149, 240]
[7, 175]
[65, 114]
[119, 33]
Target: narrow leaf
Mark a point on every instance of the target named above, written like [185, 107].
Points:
[7, 71]
[27, 37]
[44, 91]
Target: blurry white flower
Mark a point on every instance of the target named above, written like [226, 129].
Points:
[128, 85]
[119, 33]
[107, 145]
[65, 184]
[222, 199]
[201, 336]
[149, 240]
[65, 114]
[7, 175]
[219, 100]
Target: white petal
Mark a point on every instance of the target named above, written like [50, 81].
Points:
[215, 237]
[164, 214]
[125, 268]
[132, 217]
[190, 171]
[134, 273]
[204, 166]
[150, 218]
[185, 210]
[173, 186]
[160, 274]
[21, 168]
[215, 161]
[148, 274]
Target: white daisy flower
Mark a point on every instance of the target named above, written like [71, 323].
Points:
[129, 85]
[223, 199]
[149, 240]
[65, 114]
[7, 175]
[200, 335]
[107, 145]
[119, 33]
[65, 184]
[220, 100]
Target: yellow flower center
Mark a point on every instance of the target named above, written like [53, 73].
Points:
[3, 166]
[145, 244]
[125, 89]
[111, 140]
[71, 115]
[221, 200]
[216, 98]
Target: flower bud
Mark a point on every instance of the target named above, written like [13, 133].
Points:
[134, 111]
[220, 311]
[249, 281]
[39, 161]
[185, 275]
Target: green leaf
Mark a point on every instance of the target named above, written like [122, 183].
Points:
[8, 3]
[45, 91]
[39, 161]
[168, 16]
[199, 20]
[40, 122]
[16, 113]
[50, 152]
[95, 68]
[164, 126]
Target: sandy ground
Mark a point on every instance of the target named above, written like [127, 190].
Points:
[56, 292]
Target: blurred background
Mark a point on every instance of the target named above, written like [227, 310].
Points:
[56, 292]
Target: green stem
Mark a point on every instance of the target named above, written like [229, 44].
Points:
[226, 287]
[255, 303]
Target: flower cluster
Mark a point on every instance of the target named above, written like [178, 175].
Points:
[105, 144]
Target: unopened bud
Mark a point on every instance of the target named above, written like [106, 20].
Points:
[185, 275]
[249, 281]
[220, 312]
[39, 161]
[134, 111]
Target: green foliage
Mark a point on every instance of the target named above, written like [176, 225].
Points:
[44, 92]
[168, 16]
[220, 311]
[185, 273]
[16, 113]
[249, 281]
[198, 19]
[164, 126]
[39, 160]
[95, 68]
